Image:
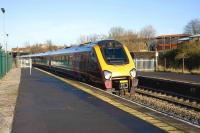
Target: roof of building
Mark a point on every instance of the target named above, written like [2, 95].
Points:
[21, 50]
[184, 39]
[172, 35]
[189, 38]
[195, 36]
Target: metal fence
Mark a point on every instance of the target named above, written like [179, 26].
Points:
[5, 63]
[145, 64]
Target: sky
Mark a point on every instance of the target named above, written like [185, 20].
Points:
[64, 21]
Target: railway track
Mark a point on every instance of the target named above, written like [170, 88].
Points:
[169, 105]
[175, 99]
[180, 89]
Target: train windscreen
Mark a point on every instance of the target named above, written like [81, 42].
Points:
[114, 53]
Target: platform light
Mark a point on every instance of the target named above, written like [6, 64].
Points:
[3, 10]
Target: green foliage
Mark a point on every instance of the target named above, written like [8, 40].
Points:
[190, 52]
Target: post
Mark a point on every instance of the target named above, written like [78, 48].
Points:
[183, 67]
[30, 62]
[20, 62]
[6, 44]
[156, 55]
[4, 36]
[165, 64]
[136, 63]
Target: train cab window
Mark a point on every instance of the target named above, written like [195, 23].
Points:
[114, 53]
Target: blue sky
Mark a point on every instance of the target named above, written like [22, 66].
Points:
[64, 21]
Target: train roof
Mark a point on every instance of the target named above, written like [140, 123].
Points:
[61, 51]
[86, 47]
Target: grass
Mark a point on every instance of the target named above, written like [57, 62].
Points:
[178, 70]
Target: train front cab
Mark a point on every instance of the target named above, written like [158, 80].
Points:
[117, 66]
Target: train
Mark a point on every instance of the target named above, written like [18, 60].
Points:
[106, 62]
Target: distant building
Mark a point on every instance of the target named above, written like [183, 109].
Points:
[166, 42]
[20, 51]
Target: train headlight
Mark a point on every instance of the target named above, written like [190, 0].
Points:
[133, 72]
[107, 74]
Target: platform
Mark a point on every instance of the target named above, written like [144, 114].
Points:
[187, 78]
[46, 104]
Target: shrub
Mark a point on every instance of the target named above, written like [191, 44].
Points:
[191, 53]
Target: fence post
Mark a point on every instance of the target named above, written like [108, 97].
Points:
[165, 64]
[183, 67]
[4, 63]
[1, 64]
[156, 54]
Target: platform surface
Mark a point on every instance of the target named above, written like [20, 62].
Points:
[188, 78]
[48, 105]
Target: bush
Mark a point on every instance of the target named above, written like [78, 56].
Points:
[191, 53]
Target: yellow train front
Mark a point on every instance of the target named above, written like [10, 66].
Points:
[107, 63]
[116, 65]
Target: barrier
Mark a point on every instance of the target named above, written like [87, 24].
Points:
[25, 63]
[5, 62]
[145, 64]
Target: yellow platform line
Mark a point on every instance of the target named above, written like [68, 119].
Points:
[158, 123]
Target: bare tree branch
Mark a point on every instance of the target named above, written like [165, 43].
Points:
[193, 27]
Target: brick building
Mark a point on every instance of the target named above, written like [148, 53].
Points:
[166, 42]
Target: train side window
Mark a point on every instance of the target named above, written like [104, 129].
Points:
[93, 56]
[93, 61]
[67, 60]
[70, 60]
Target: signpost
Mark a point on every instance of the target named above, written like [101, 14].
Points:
[156, 55]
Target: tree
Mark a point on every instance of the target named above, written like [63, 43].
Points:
[147, 32]
[42, 47]
[50, 45]
[90, 38]
[193, 27]
[147, 35]
[116, 33]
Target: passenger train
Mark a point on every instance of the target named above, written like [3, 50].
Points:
[105, 62]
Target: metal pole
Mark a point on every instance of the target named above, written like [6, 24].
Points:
[6, 43]
[4, 34]
[183, 67]
[156, 55]
[164, 42]
[30, 61]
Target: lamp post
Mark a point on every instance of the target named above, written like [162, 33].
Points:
[4, 35]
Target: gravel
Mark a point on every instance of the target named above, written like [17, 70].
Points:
[171, 109]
